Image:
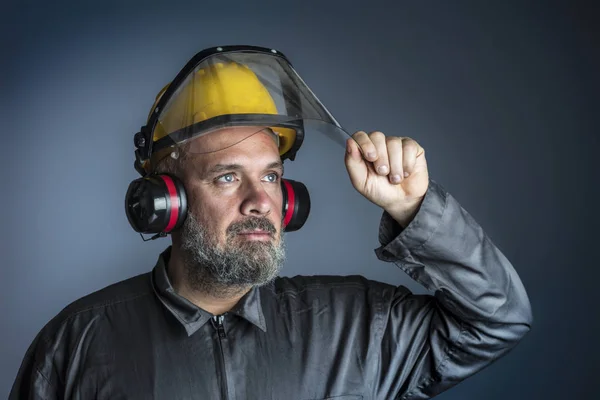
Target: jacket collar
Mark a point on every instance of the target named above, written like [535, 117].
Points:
[191, 316]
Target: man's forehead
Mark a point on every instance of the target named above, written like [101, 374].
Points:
[237, 164]
[230, 136]
[224, 160]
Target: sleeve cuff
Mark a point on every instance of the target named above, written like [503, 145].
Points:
[397, 243]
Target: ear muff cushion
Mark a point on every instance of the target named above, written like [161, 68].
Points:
[296, 204]
[289, 203]
[174, 209]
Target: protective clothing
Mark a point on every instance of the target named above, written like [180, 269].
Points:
[306, 337]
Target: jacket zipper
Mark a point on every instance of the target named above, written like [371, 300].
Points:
[217, 322]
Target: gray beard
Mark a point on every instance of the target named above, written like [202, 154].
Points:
[223, 272]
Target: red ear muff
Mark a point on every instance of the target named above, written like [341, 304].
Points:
[155, 204]
[296, 204]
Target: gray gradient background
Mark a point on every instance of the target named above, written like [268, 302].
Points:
[503, 96]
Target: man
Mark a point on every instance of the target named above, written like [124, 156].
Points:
[214, 320]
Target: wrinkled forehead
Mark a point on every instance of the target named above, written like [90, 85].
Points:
[224, 138]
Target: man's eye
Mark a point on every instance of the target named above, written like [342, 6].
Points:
[228, 178]
[272, 177]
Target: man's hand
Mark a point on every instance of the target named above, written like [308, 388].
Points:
[391, 172]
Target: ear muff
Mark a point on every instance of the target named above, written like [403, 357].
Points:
[157, 204]
[296, 204]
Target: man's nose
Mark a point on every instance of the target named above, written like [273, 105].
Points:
[256, 200]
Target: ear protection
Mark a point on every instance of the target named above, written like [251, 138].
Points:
[157, 204]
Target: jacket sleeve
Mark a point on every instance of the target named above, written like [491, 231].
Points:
[32, 383]
[479, 309]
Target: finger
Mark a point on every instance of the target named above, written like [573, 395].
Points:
[366, 145]
[410, 150]
[396, 156]
[381, 164]
[355, 164]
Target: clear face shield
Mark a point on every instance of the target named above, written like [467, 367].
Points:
[225, 95]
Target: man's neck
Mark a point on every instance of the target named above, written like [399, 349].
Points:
[216, 302]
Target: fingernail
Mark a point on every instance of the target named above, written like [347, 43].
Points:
[383, 169]
[405, 174]
[396, 178]
[371, 154]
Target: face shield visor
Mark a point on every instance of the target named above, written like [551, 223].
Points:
[225, 95]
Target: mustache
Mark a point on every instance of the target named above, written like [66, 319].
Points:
[250, 224]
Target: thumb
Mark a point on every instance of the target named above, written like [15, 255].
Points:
[355, 164]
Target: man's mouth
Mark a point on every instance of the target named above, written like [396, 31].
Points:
[253, 229]
[256, 234]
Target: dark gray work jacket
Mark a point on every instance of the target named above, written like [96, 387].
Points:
[305, 337]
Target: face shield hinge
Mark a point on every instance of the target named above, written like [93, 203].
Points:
[143, 144]
[138, 166]
[142, 151]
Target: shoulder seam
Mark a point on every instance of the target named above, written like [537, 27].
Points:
[107, 303]
[313, 286]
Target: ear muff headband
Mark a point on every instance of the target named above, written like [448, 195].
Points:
[157, 204]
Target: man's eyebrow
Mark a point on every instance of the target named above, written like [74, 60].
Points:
[218, 168]
[276, 165]
[223, 167]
